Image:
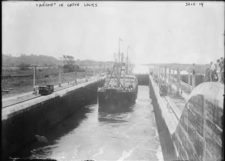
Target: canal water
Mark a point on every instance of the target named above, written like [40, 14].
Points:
[89, 135]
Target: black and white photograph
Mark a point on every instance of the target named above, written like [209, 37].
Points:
[112, 80]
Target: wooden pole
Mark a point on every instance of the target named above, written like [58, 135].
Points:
[60, 76]
[172, 73]
[178, 80]
[193, 77]
[165, 74]
[34, 77]
[169, 76]
[158, 74]
[34, 80]
[75, 74]
[169, 81]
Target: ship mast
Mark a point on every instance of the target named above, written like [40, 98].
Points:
[120, 56]
[127, 60]
[119, 65]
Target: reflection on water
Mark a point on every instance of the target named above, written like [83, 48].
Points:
[99, 136]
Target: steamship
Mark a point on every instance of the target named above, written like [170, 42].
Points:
[119, 91]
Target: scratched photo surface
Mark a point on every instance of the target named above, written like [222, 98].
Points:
[112, 80]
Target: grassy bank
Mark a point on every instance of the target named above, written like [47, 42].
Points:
[20, 81]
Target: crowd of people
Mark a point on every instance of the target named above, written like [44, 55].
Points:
[216, 71]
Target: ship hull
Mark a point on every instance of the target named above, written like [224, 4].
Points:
[115, 101]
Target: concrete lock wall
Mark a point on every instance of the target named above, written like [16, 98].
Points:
[198, 136]
[19, 131]
[163, 131]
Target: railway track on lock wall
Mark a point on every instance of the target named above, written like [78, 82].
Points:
[37, 96]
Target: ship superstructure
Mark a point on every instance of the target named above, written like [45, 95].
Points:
[120, 89]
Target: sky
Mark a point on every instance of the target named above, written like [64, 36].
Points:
[156, 32]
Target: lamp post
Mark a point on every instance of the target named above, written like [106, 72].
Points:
[34, 79]
[193, 76]
[178, 81]
[60, 75]
[60, 70]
